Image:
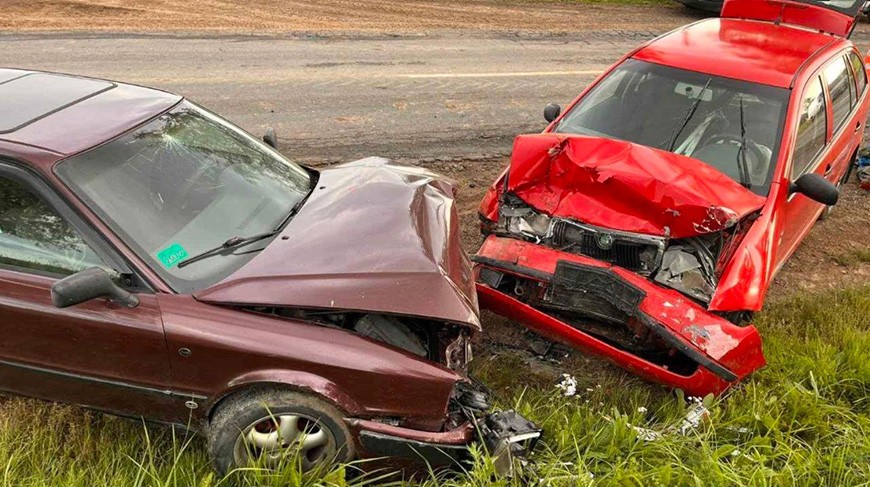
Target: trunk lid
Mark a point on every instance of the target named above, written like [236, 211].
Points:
[837, 17]
[623, 186]
[372, 237]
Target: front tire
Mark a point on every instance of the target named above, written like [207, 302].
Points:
[266, 427]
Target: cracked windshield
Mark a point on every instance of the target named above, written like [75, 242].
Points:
[184, 184]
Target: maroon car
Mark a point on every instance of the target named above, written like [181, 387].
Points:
[158, 262]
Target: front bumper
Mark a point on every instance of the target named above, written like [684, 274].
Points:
[506, 435]
[722, 353]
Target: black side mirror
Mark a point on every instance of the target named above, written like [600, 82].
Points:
[270, 138]
[817, 188]
[551, 112]
[87, 285]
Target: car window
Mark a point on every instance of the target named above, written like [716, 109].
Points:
[812, 128]
[860, 72]
[734, 126]
[838, 85]
[184, 183]
[33, 237]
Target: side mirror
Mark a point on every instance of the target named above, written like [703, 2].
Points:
[551, 112]
[87, 285]
[816, 188]
[270, 138]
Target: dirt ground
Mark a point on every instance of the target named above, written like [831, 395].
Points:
[328, 16]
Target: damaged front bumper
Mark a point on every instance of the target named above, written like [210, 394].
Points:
[654, 332]
[507, 436]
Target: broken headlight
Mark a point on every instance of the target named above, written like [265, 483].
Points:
[689, 266]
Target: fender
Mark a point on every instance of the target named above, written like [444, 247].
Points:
[294, 379]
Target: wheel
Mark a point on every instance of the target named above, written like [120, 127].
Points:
[266, 427]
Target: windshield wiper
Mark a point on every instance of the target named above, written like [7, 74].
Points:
[689, 115]
[231, 243]
[741, 154]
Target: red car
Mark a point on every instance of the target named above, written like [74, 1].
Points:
[157, 261]
[646, 223]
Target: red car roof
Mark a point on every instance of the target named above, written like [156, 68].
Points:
[58, 115]
[756, 51]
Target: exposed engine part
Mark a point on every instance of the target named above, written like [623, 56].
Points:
[440, 342]
[390, 330]
[458, 353]
[509, 438]
[689, 266]
[635, 252]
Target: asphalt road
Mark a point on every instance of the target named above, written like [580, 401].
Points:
[340, 99]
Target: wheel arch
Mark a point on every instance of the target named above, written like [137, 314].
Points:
[289, 379]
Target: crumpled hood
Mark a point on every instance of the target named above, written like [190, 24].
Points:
[624, 186]
[374, 237]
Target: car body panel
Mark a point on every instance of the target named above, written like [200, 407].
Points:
[362, 376]
[82, 354]
[718, 342]
[619, 185]
[805, 13]
[90, 121]
[405, 260]
[759, 52]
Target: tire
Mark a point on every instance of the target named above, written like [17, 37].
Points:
[259, 414]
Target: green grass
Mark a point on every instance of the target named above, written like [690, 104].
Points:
[804, 420]
[852, 257]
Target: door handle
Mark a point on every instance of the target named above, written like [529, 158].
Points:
[828, 169]
[857, 126]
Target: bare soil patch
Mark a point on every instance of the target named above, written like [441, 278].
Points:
[329, 16]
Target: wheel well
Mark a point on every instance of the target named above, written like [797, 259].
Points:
[270, 385]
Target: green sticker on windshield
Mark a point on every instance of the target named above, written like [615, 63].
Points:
[172, 255]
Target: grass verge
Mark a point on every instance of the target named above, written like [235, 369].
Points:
[804, 420]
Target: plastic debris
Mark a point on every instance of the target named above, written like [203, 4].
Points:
[568, 385]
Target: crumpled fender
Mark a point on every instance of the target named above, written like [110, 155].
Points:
[726, 353]
[746, 278]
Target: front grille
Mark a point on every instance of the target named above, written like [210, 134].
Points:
[636, 253]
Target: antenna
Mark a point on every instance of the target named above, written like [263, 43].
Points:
[781, 13]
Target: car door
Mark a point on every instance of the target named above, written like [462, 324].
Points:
[97, 353]
[810, 154]
[825, 142]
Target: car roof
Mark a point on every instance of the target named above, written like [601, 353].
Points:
[57, 115]
[748, 50]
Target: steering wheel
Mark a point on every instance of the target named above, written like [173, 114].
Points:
[751, 146]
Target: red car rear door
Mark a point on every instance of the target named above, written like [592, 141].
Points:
[97, 353]
[832, 114]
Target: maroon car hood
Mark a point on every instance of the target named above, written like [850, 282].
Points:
[374, 237]
[624, 186]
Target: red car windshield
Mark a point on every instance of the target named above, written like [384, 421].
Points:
[734, 126]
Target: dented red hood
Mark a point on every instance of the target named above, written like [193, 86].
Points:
[372, 237]
[624, 186]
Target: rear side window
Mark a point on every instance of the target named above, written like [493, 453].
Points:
[812, 128]
[838, 84]
[860, 72]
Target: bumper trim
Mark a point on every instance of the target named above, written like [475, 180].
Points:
[647, 320]
[434, 454]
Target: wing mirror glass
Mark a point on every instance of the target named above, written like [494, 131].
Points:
[270, 138]
[552, 112]
[87, 285]
[817, 188]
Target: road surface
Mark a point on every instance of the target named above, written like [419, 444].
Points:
[339, 99]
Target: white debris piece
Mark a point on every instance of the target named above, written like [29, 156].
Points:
[568, 385]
